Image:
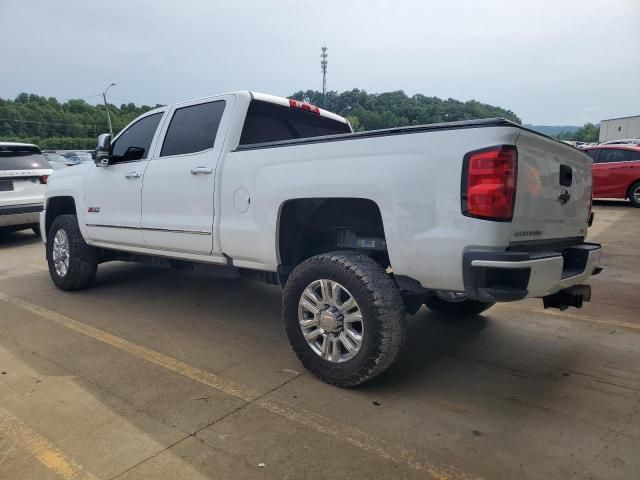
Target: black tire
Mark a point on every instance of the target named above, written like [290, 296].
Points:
[83, 259]
[36, 230]
[633, 191]
[381, 306]
[461, 309]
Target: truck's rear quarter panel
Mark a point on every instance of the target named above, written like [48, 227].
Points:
[413, 178]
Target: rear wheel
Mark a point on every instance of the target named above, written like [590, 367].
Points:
[456, 304]
[344, 317]
[72, 263]
[634, 194]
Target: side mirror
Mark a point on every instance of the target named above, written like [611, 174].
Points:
[103, 150]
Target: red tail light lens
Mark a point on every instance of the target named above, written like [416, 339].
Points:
[489, 183]
[44, 179]
[304, 106]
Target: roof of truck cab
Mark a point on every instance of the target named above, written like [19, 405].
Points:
[261, 97]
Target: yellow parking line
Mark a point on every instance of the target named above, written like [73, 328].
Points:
[602, 222]
[40, 448]
[295, 414]
[572, 316]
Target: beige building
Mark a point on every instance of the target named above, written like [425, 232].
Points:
[617, 128]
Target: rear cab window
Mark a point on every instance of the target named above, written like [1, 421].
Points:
[18, 157]
[270, 122]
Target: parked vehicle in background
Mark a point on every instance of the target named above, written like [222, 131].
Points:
[78, 157]
[23, 180]
[616, 172]
[56, 160]
[623, 141]
[358, 228]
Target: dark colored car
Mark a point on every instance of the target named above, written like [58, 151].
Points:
[616, 172]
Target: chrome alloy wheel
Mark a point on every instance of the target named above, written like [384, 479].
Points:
[60, 253]
[331, 320]
[636, 194]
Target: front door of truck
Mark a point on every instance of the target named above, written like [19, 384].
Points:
[112, 193]
[179, 184]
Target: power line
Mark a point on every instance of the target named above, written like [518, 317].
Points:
[39, 123]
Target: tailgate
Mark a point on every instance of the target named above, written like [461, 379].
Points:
[553, 192]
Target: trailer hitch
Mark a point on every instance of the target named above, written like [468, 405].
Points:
[569, 297]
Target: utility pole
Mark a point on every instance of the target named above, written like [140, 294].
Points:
[106, 106]
[323, 67]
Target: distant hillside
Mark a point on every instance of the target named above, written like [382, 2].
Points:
[553, 130]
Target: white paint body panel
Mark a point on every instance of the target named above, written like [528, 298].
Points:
[413, 177]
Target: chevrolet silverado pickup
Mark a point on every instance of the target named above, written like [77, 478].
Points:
[358, 228]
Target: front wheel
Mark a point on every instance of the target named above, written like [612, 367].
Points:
[72, 263]
[634, 194]
[456, 304]
[344, 317]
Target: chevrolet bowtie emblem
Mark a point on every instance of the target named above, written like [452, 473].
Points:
[564, 196]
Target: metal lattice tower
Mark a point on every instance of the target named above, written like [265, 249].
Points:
[323, 67]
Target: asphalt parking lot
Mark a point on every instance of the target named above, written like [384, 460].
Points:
[159, 374]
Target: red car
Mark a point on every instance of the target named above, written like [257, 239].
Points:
[616, 172]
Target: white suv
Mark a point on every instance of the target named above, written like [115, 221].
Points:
[23, 181]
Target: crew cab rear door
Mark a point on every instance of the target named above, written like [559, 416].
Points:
[553, 192]
[179, 183]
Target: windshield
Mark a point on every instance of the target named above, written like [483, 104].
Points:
[17, 157]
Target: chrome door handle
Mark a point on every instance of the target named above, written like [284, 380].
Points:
[199, 170]
[132, 175]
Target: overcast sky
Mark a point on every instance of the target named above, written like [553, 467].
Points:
[551, 62]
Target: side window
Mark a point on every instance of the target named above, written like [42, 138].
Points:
[193, 129]
[593, 153]
[138, 135]
[609, 155]
[635, 155]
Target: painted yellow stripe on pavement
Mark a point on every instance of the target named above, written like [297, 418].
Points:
[572, 316]
[295, 414]
[52, 458]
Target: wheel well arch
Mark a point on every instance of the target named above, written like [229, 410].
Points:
[631, 184]
[57, 206]
[309, 226]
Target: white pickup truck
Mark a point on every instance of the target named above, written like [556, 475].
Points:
[359, 228]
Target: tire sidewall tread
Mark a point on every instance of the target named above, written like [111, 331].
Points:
[83, 259]
[380, 304]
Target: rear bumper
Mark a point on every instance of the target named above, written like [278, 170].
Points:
[491, 276]
[26, 214]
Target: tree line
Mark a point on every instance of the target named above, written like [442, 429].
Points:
[587, 133]
[52, 124]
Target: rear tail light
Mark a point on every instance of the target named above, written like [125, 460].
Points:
[489, 183]
[304, 106]
[44, 179]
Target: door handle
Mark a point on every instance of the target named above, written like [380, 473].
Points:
[201, 170]
[132, 175]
